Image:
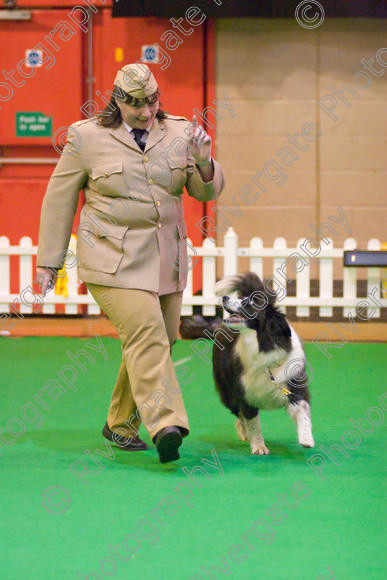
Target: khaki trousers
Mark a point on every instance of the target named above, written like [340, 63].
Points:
[146, 389]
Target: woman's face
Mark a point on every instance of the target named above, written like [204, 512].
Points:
[140, 113]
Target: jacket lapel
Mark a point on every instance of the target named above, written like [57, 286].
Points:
[125, 137]
[156, 133]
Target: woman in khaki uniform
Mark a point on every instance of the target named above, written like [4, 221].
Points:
[132, 163]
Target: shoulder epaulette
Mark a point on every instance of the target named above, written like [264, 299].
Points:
[81, 122]
[175, 118]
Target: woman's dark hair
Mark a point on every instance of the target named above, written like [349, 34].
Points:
[110, 116]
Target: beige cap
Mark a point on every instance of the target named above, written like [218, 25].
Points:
[136, 80]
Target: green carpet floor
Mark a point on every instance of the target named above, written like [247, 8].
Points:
[337, 531]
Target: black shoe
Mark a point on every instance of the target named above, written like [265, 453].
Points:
[168, 441]
[123, 442]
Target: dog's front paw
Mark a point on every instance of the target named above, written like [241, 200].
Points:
[306, 440]
[260, 449]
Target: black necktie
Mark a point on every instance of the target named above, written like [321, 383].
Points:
[139, 137]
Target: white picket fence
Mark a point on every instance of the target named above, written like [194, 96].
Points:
[229, 253]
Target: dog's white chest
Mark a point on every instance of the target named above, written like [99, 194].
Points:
[260, 390]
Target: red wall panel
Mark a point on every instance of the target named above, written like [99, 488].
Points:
[56, 87]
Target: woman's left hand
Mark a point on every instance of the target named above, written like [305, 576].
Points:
[200, 143]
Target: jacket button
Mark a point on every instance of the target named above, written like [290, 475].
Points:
[106, 175]
[150, 181]
[159, 225]
[158, 203]
[146, 158]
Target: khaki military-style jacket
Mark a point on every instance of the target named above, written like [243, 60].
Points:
[132, 232]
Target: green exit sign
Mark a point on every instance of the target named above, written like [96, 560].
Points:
[33, 125]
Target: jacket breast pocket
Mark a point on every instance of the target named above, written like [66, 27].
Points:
[100, 251]
[177, 166]
[108, 178]
[176, 161]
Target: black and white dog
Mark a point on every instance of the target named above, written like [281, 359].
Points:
[259, 362]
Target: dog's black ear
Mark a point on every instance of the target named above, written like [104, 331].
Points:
[277, 324]
[270, 293]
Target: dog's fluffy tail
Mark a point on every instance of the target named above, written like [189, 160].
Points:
[244, 284]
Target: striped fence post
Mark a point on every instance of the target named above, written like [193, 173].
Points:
[373, 279]
[303, 285]
[25, 275]
[279, 270]
[230, 253]
[5, 271]
[349, 280]
[256, 263]
[209, 279]
[326, 279]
